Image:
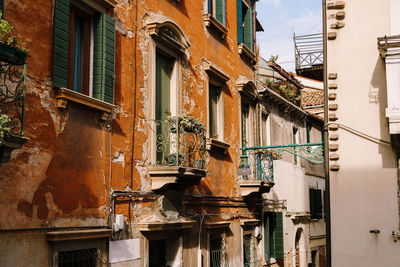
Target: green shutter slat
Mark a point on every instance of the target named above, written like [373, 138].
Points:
[61, 43]
[239, 21]
[278, 236]
[267, 236]
[103, 58]
[248, 29]
[318, 204]
[220, 11]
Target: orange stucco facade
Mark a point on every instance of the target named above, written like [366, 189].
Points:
[63, 176]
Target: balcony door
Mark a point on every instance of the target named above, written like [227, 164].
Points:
[165, 104]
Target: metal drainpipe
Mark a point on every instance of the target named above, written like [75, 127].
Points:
[326, 141]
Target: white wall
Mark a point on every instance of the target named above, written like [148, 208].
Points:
[364, 190]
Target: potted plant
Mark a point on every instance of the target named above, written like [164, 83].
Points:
[12, 48]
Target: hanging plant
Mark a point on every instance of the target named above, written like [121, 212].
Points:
[12, 47]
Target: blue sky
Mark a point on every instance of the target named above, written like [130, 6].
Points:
[280, 18]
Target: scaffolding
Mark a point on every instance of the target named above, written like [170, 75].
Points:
[309, 53]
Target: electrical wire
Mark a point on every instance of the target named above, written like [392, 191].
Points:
[359, 133]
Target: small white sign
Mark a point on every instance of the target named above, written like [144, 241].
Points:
[124, 250]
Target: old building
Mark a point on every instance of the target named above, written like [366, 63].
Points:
[131, 112]
[146, 136]
[362, 83]
[293, 210]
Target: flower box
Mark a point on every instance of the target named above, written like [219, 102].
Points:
[12, 55]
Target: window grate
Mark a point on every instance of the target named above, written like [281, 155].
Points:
[78, 258]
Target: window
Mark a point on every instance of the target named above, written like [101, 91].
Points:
[215, 112]
[308, 131]
[165, 252]
[83, 47]
[295, 140]
[83, 257]
[273, 235]
[217, 80]
[245, 125]
[265, 130]
[165, 103]
[315, 203]
[245, 24]
[217, 8]
[217, 249]
[249, 249]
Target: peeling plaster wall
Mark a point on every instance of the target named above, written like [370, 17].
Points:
[63, 175]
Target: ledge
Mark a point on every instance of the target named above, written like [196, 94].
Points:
[64, 95]
[248, 187]
[246, 52]
[252, 222]
[158, 226]
[77, 234]
[163, 175]
[217, 143]
[211, 21]
[220, 224]
[9, 144]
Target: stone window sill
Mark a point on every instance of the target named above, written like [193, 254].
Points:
[247, 53]
[211, 142]
[211, 21]
[77, 234]
[64, 95]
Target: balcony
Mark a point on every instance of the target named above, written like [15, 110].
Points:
[12, 100]
[179, 151]
[256, 171]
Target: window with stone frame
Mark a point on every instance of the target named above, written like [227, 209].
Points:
[84, 49]
[217, 248]
[217, 8]
[245, 23]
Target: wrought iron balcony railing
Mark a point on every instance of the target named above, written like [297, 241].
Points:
[180, 141]
[12, 95]
[256, 163]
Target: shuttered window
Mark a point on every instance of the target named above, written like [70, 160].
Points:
[273, 235]
[71, 52]
[315, 204]
[214, 95]
[217, 8]
[244, 24]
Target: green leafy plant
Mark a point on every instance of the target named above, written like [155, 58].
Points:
[7, 37]
[4, 126]
[285, 90]
[273, 58]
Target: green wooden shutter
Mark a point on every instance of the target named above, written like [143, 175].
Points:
[220, 11]
[209, 3]
[318, 204]
[267, 236]
[277, 236]
[239, 21]
[213, 110]
[103, 57]
[61, 44]
[248, 28]
[312, 201]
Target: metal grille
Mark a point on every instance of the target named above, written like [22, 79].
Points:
[180, 141]
[12, 95]
[218, 257]
[79, 258]
[250, 251]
